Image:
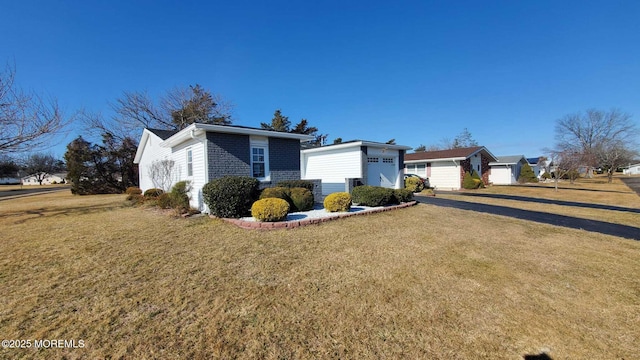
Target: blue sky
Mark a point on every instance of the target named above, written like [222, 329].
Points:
[416, 71]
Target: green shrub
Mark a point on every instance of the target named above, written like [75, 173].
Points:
[527, 175]
[402, 195]
[275, 192]
[179, 195]
[546, 175]
[133, 190]
[338, 201]
[231, 196]
[301, 199]
[414, 184]
[471, 182]
[297, 183]
[153, 193]
[270, 209]
[372, 195]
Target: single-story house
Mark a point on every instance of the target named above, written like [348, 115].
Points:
[57, 178]
[506, 170]
[632, 169]
[200, 153]
[539, 167]
[9, 180]
[342, 166]
[446, 168]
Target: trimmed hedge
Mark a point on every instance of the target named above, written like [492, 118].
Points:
[299, 199]
[231, 196]
[297, 183]
[270, 209]
[402, 195]
[372, 195]
[338, 201]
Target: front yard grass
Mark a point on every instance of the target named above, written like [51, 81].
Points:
[422, 282]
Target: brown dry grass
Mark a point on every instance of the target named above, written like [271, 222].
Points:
[423, 282]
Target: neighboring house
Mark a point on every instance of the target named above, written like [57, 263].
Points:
[632, 169]
[538, 167]
[57, 178]
[203, 152]
[445, 168]
[342, 166]
[506, 170]
[9, 180]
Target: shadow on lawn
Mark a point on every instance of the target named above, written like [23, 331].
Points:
[24, 216]
[601, 227]
[566, 188]
[552, 202]
[541, 356]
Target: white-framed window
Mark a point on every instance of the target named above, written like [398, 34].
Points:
[258, 162]
[189, 162]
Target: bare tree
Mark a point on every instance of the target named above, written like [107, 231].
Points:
[41, 166]
[593, 132]
[564, 163]
[614, 154]
[27, 120]
[161, 173]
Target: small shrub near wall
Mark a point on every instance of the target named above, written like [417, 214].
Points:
[402, 195]
[471, 182]
[297, 183]
[153, 193]
[372, 195]
[338, 201]
[133, 190]
[231, 196]
[414, 184]
[299, 199]
[270, 209]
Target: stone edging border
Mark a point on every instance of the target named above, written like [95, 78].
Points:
[298, 223]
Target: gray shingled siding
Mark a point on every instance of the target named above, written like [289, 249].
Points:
[228, 155]
[284, 159]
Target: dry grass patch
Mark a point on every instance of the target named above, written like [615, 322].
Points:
[422, 282]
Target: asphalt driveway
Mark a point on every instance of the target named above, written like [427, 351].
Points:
[624, 231]
[633, 183]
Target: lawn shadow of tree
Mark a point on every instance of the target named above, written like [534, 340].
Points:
[24, 216]
[541, 356]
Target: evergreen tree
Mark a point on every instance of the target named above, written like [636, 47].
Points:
[527, 175]
[278, 123]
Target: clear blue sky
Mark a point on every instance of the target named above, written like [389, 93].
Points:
[416, 71]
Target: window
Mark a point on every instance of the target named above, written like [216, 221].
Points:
[387, 160]
[258, 162]
[189, 162]
[372, 159]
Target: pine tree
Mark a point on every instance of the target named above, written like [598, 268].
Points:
[527, 175]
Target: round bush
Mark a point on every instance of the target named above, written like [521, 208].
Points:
[372, 195]
[231, 196]
[275, 192]
[153, 193]
[270, 209]
[301, 199]
[297, 183]
[339, 201]
[403, 195]
[414, 184]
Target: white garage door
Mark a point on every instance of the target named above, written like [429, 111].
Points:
[381, 171]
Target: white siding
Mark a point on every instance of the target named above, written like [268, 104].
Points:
[332, 167]
[152, 152]
[502, 175]
[445, 175]
[198, 179]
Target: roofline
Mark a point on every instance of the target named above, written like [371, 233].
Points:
[356, 144]
[434, 159]
[185, 133]
[141, 145]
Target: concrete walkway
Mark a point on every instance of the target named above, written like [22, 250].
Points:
[624, 231]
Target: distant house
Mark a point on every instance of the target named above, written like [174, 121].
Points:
[204, 152]
[341, 166]
[538, 167]
[506, 170]
[8, 180]
[446, 168]
[633, 169]
[57, 178]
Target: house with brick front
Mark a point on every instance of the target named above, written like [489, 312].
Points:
[200, 153]
[445, 169]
